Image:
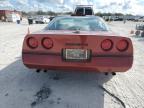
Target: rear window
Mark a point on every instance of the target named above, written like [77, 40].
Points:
[88, 11]
[78, 23]
[80, 11]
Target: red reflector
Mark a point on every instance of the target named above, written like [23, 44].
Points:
[32, 42]
[47, 43]
[122, 45]
[107, 45]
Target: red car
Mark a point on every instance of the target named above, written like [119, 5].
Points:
[77, 43]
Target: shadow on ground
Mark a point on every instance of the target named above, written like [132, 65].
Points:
[24, 88]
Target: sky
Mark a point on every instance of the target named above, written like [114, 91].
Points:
[135, 7]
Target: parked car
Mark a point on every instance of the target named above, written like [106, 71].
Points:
[30, 20]
[141, 19]
[12, 17]
[41, 20]
[51, 17]
[82, 43]
[136, 19]
[139, 30]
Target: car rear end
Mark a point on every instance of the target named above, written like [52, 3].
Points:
[99, 52]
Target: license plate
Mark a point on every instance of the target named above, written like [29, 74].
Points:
[76, 54]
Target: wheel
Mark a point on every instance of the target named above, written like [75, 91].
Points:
[137, 33]
[142, 34]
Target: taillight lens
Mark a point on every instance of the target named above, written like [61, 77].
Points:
[47, 43]
[32, 42]
[122, 45]
[107, 44]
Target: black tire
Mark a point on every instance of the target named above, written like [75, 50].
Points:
[142, 34]
[137, 33]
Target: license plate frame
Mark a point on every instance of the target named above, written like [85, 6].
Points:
[76, 54]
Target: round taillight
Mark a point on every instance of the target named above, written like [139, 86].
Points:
[107, 45]
[47, 43]
[122, 45]
[32, 42]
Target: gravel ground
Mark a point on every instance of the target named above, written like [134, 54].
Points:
[24, 88]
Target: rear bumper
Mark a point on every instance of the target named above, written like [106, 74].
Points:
[97, 63]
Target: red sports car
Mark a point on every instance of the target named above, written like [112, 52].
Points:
[77, 43]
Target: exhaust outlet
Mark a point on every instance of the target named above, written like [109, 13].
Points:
[45, 71]
[38, 70]
[113, 73]
[106, 73]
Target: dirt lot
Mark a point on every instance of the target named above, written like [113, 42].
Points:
[24, 88]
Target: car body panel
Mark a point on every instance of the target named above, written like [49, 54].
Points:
[101, 61]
